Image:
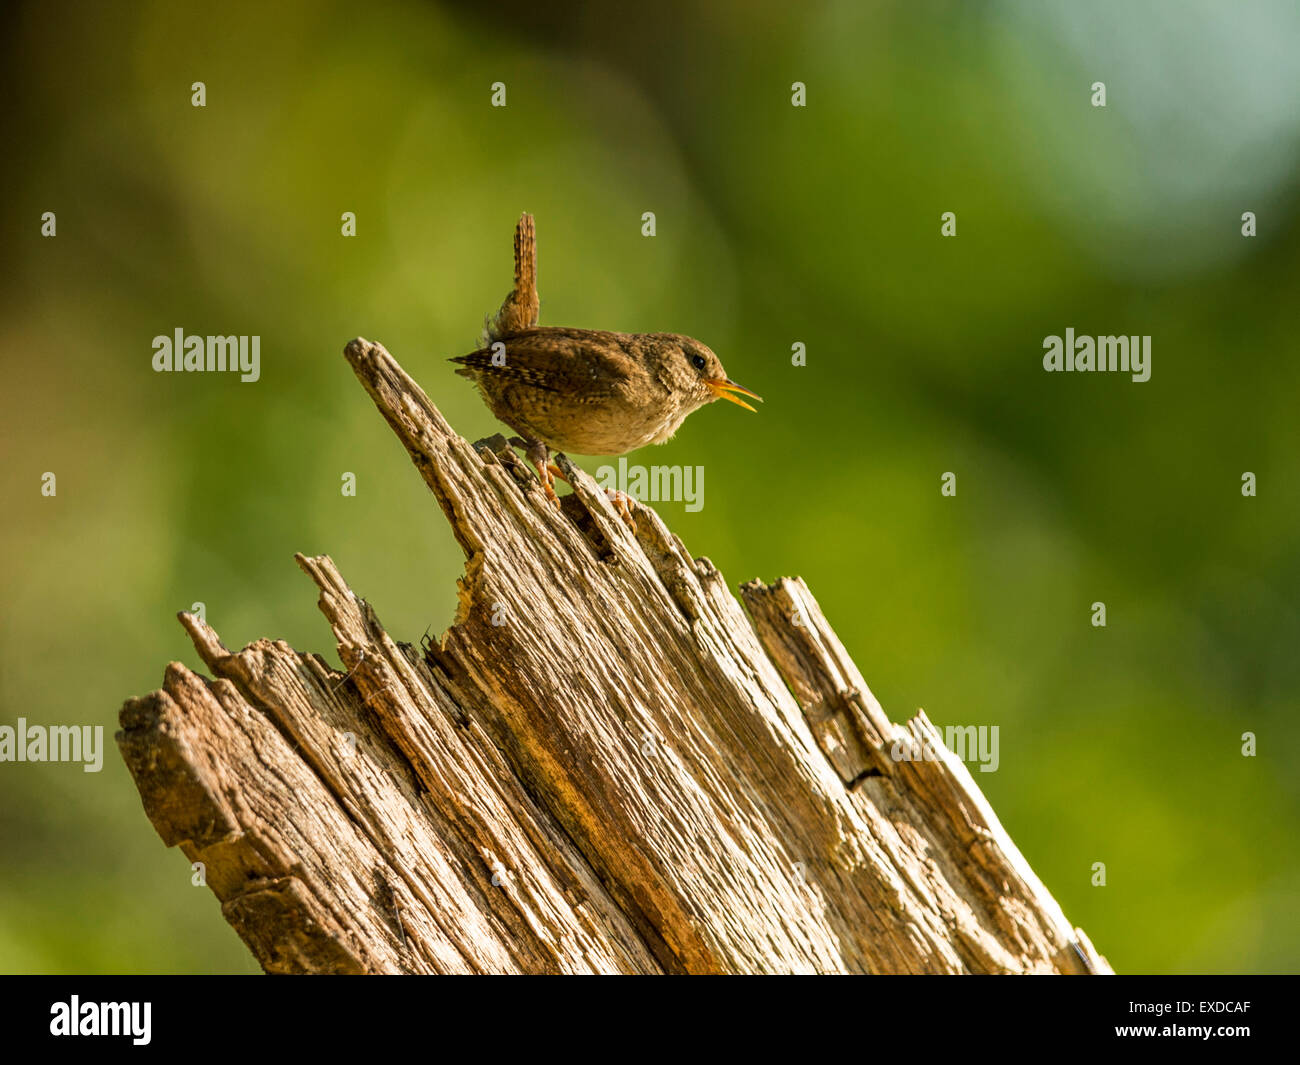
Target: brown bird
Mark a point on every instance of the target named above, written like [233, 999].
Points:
[584, 390]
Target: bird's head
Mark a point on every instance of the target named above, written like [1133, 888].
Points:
[691, 370]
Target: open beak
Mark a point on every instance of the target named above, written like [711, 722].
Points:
[723, 390]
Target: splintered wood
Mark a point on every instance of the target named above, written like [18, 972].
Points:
[606, 765]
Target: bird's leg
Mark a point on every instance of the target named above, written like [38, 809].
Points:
[540, 456]
[622, 503]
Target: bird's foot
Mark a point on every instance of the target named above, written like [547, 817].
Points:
[540, 456]
[621, 501]
[548, 482]
[623, 504]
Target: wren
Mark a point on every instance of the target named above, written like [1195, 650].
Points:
[585, 390]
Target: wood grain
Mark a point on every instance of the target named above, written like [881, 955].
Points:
[605, 765]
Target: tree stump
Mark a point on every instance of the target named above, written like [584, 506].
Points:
[605, 765]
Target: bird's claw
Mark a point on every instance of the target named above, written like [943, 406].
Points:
[548, 471]
[622, 504]
[547, 477]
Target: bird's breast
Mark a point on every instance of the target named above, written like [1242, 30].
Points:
[608, 425]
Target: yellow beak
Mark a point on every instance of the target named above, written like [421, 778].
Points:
[724, 389]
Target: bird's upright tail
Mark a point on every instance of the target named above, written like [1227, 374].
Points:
[521, 307]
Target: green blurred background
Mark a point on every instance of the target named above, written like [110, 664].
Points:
[775, 225]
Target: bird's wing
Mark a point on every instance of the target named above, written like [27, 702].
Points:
[516, 367]
[480, 364]
[535, 358]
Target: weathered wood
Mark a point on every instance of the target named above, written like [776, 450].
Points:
[602, 766]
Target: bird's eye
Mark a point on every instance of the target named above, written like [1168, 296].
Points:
[698, 361]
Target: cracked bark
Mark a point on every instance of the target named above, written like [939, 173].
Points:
[605, 765]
